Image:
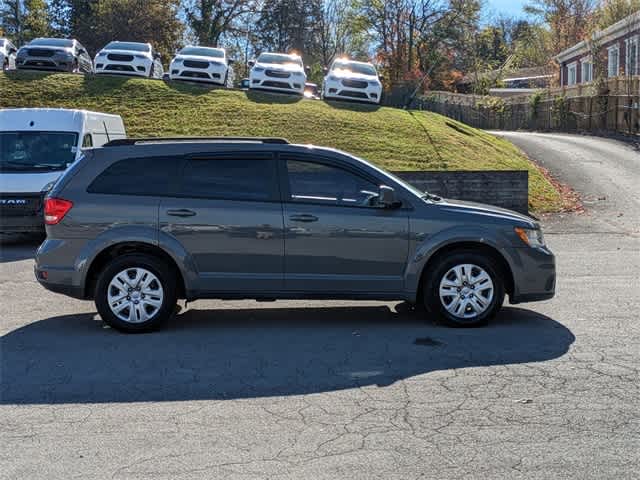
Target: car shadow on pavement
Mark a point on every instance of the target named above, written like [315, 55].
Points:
[14, 248]
[247, 353]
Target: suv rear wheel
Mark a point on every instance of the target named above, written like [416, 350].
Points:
[136, 293]
[464, 289]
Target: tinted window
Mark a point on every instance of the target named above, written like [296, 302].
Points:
[230, 178]
[317, 182]
[137, 176]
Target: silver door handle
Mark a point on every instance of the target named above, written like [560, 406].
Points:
[305, 217]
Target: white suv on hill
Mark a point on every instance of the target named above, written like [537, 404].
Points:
[348, 79]
[129, 58]
[278, 71]
[7, 54]
[202, 64]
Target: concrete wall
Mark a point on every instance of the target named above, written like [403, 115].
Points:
[503, 188]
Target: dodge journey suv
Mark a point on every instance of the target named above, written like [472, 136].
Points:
[138, 224]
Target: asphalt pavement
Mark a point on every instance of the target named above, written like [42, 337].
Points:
[319, 390]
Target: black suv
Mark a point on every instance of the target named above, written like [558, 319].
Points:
[137, 224]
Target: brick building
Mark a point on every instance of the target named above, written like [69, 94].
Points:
[618, 46]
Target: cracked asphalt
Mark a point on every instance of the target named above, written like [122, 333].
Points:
[289, 390]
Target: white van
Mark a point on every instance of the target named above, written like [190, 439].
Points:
[36, 146]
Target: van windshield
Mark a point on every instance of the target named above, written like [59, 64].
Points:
[37, 151]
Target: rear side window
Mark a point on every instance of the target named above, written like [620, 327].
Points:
[151, 176]
[231, 178]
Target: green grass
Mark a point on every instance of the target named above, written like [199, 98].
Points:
[392, 138]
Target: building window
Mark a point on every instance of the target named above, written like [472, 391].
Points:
[633, 45]
[572, 73]
[614, 61]
[587, 70]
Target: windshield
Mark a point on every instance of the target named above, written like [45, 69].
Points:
[37, 151]
[136, 47]
[52, 42]
[361, 68]
[203, 52]
[279, 59]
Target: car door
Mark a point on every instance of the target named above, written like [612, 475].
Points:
[338, 241]
[227, 215]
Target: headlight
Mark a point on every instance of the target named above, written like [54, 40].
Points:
[177, 60]
[101, 54]
[258, 69]
[532, 237]
[374, 83]
[332, 78]
[141, 57]
[298, 74]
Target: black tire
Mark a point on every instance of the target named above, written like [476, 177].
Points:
[154, 265]
[431, 289]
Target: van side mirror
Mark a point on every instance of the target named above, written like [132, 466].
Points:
[387, 197]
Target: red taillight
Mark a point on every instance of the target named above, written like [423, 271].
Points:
[55, 209]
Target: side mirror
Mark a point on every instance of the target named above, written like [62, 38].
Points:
[230, 61]
[81, 51]
[251, 63]
[307, 68]
[157, 56]
[13, 50]
[387, 197]
[325, 70]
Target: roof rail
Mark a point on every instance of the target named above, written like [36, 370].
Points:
[135, 141]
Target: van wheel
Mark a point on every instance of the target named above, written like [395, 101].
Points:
[136, 293]
[464, 289]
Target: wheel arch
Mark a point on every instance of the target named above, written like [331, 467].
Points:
[466, 245]
[113, 251]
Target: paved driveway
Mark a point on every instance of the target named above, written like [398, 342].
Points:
[344, 390]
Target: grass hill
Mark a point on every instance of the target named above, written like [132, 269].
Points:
[392, 138]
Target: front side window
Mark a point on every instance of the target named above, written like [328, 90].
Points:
[87, 141]
[37, 151]
[252, 178]
[150, 176]
[321, 183]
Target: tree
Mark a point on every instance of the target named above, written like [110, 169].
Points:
[209, 20]
[35, 19]
[612, 11]
[11, 13]
[569, 21]
[153, 21]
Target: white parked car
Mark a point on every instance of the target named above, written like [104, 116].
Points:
[7, 54]
[36, 146]
[348, 79]
[202, 64]
[129, 58]
[278, 71]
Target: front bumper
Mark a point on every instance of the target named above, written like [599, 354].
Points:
[21, 213]
[46, 63]
[534, 274]
[337, 90]
[136, 67]
[212, 74]
[291, 84]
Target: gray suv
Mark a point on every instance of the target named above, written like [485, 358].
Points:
[138, 224]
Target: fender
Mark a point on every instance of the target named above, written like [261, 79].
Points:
[428, 245]
[183, 259]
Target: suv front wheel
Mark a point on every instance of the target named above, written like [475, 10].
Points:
[136, 293]
[464, 289]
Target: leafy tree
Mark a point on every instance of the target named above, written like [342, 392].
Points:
[11, 13]
[35, 19]
[612, 11]
[209, 20]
